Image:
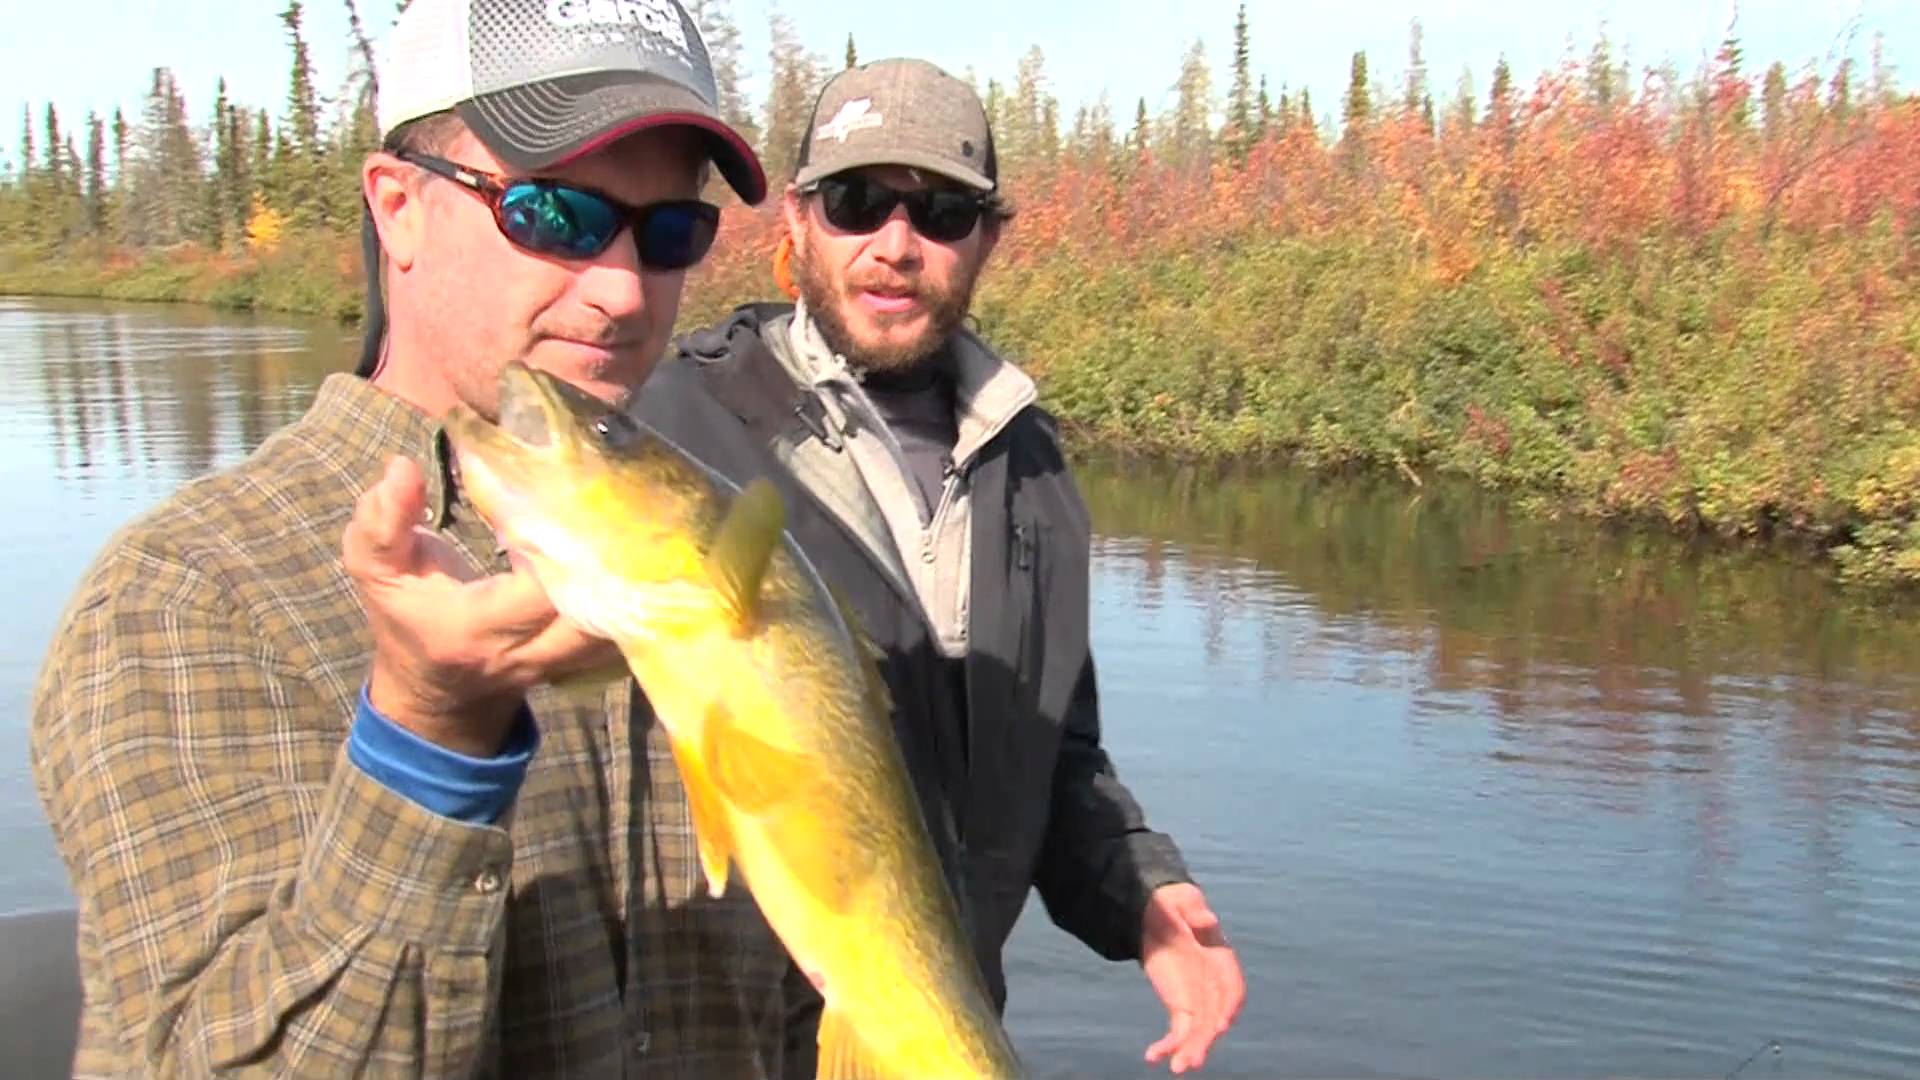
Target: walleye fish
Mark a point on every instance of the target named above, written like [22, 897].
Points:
[775, 710]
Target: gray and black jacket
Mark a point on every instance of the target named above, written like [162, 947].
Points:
[1018, 791]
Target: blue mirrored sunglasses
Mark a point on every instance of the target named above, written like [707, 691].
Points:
[567, 221]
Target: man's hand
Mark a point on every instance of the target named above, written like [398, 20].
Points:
[1191, 967]
[454, 652]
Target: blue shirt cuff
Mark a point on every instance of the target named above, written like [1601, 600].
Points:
[453, 785]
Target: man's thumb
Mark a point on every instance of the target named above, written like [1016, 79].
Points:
[380, 536]
[1194, 909]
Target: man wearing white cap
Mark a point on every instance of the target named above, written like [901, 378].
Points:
[321, 813]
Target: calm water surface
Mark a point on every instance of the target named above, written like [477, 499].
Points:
[1478, 795]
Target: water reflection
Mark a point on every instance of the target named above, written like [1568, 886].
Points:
[158, 394]
[1485, 794]
[104, 410]
[1613, 654]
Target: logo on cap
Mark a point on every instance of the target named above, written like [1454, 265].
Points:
[606, 19]
[855, 115]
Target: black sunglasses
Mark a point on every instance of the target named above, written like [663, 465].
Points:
[857, 204]
[548, 217]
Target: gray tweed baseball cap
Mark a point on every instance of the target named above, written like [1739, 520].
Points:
[542, 82]
[899, 112]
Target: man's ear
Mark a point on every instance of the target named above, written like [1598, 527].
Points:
[393, 199]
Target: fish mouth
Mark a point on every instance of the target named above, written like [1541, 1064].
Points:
[500, 463]
[534, 408]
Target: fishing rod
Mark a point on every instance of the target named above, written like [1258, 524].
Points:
[1770, 1044]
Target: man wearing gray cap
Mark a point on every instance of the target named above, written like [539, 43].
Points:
[322, 812]
[957, 533]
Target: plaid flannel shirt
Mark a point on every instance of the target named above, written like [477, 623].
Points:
[251, 901]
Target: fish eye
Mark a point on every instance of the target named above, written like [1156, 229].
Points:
[615, 428]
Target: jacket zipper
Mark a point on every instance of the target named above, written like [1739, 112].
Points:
[929, 536]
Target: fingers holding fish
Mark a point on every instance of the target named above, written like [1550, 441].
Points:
[454, 649]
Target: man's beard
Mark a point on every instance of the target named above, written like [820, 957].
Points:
[826, 305]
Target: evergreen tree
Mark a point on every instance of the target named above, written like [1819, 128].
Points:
[1049, 147]
[73, 191]
[793, 86]
[262, 164]
[360, 135]
[121, 133]
[225, 171]
[1190, 135]
[1416, 100]
[1500, 98]
[722, 36]
[303, 175]
[998, 108]
[1097, 146]
[1355, 133]
[1462, 115]
[367, 76]
[28, 169]
[164, 198]
[1359, 97]
[1729, 85]
[1263, 115]
[181, 177]
[1030, 134]
[1500, 124]
[1883, 87]
[1243, 122]
[1773, 102]
[1840, 91]
[240, 195]
[1606, 84]
[96, 176]
[53, 167]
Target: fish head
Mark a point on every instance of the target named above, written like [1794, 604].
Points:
[596, 505]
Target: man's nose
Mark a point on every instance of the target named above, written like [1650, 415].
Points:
[611, 280]
[896, 241]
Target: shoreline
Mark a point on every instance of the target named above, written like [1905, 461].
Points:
[337, 299]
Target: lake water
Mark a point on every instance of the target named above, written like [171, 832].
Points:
[1477, 794]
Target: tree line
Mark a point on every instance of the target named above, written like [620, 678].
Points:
[233, 177]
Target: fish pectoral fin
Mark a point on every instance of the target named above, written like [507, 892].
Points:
[749, 772]
[742, 548]
[710, 832]
[842, 1055]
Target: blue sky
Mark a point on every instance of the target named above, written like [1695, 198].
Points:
[1128, 48]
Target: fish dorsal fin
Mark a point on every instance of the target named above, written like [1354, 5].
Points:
[743, 546]
[842, 1055]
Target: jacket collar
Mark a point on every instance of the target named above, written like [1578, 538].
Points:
[989, 391]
